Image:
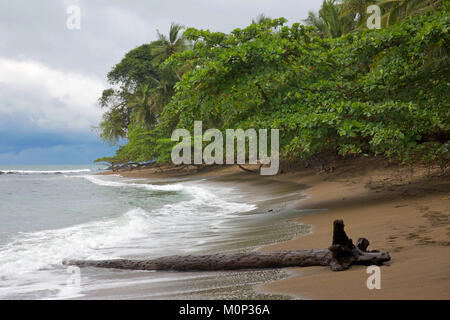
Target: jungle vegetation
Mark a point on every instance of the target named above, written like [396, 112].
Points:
[333, 87]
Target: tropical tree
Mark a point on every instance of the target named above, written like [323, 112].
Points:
[161, 90]
[141, 105]
[166, 46]
[141, 84]
[397, 10]
[111, 128]
[336, 18]
[369, 92]
[354, 13]
[261, 18]
[328, 21]
[134, 69]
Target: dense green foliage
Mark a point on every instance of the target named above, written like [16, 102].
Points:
[380, 92]
[337, 18]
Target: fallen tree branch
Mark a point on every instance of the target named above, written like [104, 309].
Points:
[340, 256]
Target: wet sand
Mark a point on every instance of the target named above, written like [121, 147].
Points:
[403, 214]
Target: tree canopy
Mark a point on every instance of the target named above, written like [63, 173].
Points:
[331, 90]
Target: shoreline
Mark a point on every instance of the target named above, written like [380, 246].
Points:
[407, 216]
[271, 220]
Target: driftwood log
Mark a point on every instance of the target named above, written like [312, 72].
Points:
[339, 256]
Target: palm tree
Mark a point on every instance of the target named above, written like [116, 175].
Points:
[165, 46]
[162, 91]
[149, 100]
[336, 18]
[260, 18]
[140, 103]
[328, 21]
[111, 128]
[353, 13]
[396, 10]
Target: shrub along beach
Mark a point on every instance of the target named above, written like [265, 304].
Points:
[363, 119]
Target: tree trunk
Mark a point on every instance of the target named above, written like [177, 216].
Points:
[340, 256]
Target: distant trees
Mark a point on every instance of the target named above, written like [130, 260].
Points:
[261, 18]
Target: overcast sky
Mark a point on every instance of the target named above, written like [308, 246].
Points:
[51, 76]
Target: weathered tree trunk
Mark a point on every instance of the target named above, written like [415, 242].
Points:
[345, 253]
[340, 256]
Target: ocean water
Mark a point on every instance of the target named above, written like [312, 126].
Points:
[50, 213]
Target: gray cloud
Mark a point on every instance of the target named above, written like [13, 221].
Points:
[37, 29]
[51, 77]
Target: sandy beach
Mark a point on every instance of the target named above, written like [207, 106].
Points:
[406, 215]
[410, 219]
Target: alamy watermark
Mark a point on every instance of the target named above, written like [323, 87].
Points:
[374, 19]
[73, 282]
[213, 152]
[374, 280]
[73, 21]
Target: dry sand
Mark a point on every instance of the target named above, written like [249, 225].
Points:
[403, 214]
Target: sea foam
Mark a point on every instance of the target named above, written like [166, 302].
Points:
[171, 228]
